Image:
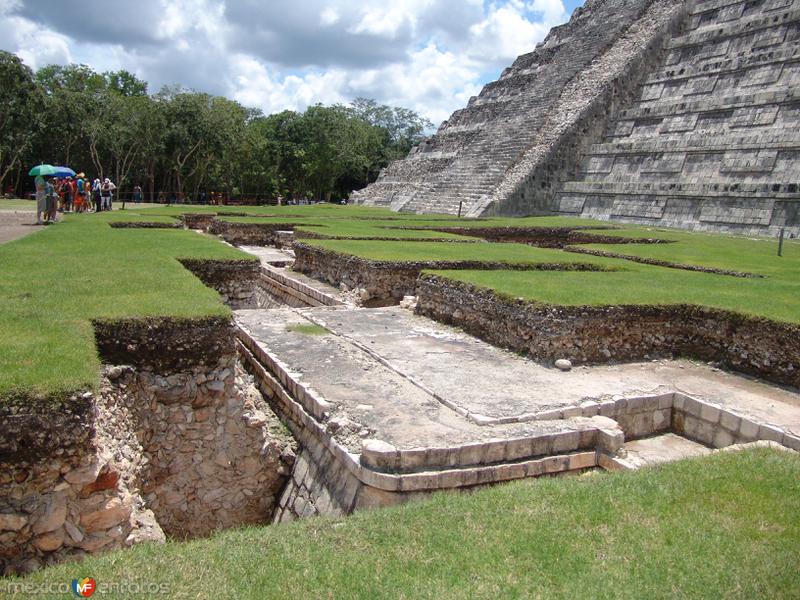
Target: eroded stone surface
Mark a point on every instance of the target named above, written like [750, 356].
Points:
[412, 382]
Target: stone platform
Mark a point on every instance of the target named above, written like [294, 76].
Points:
[397, 404]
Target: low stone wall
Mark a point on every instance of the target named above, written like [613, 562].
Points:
[389, 280]
[330, 479]
[281, 290]
[201, 221]
[213, 458]
[73, 491]
[235, 280]
[546, 237]
[250, 234]
[585, 334]
[145, 225]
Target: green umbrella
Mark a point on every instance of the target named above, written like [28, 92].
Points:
[42, 170]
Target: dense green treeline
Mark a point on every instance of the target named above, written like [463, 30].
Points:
[180, 143]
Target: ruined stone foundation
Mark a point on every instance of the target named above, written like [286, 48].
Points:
[171, 443]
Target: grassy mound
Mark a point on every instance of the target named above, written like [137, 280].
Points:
[725, 526]
[54, 282]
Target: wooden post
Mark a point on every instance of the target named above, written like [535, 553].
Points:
[460, 204]
[780, 242]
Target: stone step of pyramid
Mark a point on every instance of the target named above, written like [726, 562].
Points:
[692, 107]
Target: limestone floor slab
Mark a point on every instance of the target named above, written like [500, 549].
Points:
[415, 383]
[269, 255]
[661, 449]
[479, 378]
[361, 389]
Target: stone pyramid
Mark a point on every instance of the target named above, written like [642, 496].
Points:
[663, 112]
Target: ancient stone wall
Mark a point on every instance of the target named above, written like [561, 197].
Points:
[201, 221]
[533, 120]
[595, 335]
[710, 142]
[216, 455]
[252, 234]
[334, 476]
[180, 443]
[388, 281]
[69, 488]
[235, 280]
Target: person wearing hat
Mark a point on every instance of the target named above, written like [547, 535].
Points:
[80, 193]
[98, 199]
[105, 192]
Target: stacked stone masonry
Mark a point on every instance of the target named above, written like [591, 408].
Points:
[180, 444]
[596, 335]
[658, 112]
[330, 479]
[711, 142]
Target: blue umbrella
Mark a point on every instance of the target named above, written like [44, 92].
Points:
[64, 172]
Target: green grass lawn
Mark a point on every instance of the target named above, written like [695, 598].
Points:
[774, 296]
[736, 253]
[310, 210]
[53, 282]
[724, 526]
[444, 251]
[352, 228]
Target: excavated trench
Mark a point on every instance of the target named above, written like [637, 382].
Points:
[183, 439]
[545, 237]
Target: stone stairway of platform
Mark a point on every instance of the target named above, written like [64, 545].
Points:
[472, 152]
[712, 140]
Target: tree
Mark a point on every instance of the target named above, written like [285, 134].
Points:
[337, 144]
[21, 106]
[284, 135]
[125, 128]
[403, 127]
[187, 140]
[73, 100]
[125, 83]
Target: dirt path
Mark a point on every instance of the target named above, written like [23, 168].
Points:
[15, 224]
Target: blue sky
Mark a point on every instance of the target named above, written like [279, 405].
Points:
[428, 55]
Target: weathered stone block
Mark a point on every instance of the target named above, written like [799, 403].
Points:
[710, 413]
[770, 433]
[730, 421]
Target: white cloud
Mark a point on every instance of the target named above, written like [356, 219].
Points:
[507, 31]
[552, 11]
[252, 84]
[36, 46]
[428, 55]
[329, 16]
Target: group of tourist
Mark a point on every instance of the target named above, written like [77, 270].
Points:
[71, 194]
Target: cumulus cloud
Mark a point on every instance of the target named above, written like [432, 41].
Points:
[35, 45]
[429, 55]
